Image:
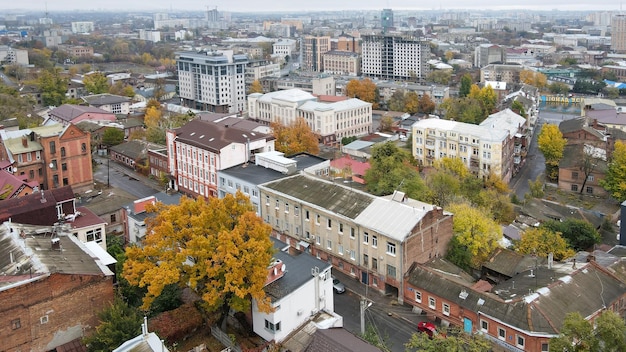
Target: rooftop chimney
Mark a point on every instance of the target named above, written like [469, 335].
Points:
[24, 142]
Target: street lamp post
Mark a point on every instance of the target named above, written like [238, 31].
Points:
[108, 173]
[364, 305]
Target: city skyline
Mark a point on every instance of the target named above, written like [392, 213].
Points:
[320, 5]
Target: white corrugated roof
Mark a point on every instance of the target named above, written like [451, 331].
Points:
[483, 132]
[291, 95]
[392, 218]
[504, 120]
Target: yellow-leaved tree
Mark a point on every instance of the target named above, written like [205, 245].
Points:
[218, 248]
[475, 230]
[295, 138]
[542, 241]
[365, 90]
[551, 143]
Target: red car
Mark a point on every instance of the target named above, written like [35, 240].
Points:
[428, 328]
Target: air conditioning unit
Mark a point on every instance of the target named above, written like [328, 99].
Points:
[299, 312]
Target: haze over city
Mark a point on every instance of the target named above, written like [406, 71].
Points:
[321, 5]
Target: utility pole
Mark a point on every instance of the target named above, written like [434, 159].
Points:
[108, 173]
[364, 305]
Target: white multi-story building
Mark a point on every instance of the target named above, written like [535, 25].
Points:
[260, 69]
[284, 47]
[82, 27]
[10, 55]
[212, 81]
[199, 149]
[618, 33]
[394, 57]
[330, 120]
[150, 35]
[484, 149]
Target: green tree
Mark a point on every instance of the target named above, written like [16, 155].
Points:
[391, 170]
[466, 84]
[475, 230]
[53, 87]
[614, 181]
[579, 234]
[558, 88]
[542, 241]
[578, 334]
[518, 108]
[118, 324]
[112, 136]
[458, 254]
[295, 138]
[96, 83]
[439, 77]
[551, 143]
[218, 248]
[454, 341]
[396, 101]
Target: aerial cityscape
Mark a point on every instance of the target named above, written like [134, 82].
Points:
[323, 176]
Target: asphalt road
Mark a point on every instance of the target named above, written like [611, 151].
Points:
[7, 81]
[394, 331]
[119, 179]
[535, 162]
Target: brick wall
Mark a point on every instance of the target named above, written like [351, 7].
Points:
[429, 238]
[52, 310]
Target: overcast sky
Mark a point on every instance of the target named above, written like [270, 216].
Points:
[305, 5]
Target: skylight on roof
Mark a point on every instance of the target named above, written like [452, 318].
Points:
[192, 133]
[201, 137]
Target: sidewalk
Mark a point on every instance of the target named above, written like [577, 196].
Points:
[383, 302]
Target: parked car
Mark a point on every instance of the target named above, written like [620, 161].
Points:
[338, 286]
[428, 328]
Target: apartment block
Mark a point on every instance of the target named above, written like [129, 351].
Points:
[374, 239]
[199, 149]
[212, 81]
[343, 63]
[501, 73]
[392, 57]
[313, 49]
[618, 33]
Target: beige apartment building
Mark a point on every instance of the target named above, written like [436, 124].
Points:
[374, 239]
[344, 63]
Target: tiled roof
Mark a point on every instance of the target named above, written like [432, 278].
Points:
[37, 208]
[69, 112]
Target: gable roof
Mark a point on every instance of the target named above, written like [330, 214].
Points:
[105, 99]
[37, 208]
[214, 137]
[579, 124]
[134, 149]
[508, 262]
[11, 185]
[338, 340]
[68, 112]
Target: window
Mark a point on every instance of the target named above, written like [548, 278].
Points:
[317, 219]
[589, 190]
[329, 244]
[113, 218]
[545, 347]
[484, 325]
[520, 341]
[222, 181]
[574, 188]
[391, 248]
[64, 166]
[352, 232]
[445, 308]
[307, 216]
[340, 249]
[318, 239]
[267, 200]
[62, 151]
[286, 207]
[296, 211]
[340, 228]
[418, 297]
[365, 260]
[53, 164]
[374, 264]
[230, 184]
[43, 320]
[246, 189]
[53, 147]
[273, 327]
[16, 324]
[329, 223]
[31, 174]
[391, 271]
[55, 180]
[432, 302]
[501, 334]
[590, 178]
[66, 181]
[83, 147]
[277, 204]
[366, 238]
[94, 235]
[374, 241]
[352, 254]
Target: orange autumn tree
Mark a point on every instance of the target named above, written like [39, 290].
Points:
[295, 138]
[218, 248]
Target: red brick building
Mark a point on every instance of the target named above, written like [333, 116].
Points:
[50, 296]
[520, 314]
[53, 156]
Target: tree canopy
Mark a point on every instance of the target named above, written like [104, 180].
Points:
[218, 248]
[295, 138]
[476, 230]
[466, 84]
[551, 144]
[579, 335]
[53, 87]
[542, 241]
[96, 83]
[614, 181]
[391, 170]
[118, 324]
[365, 90]
[112, 136]
[579, 234]
[454, 341]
